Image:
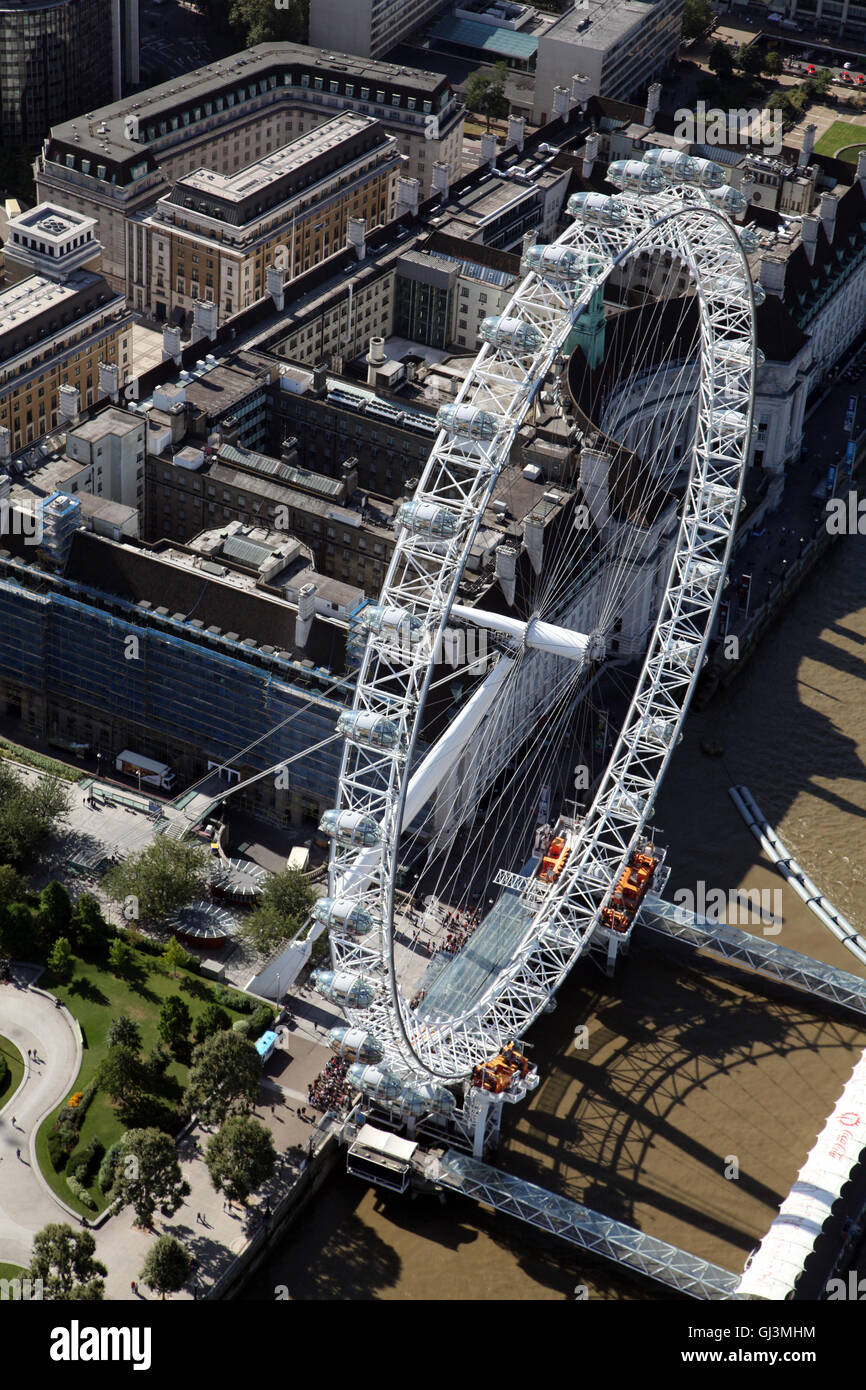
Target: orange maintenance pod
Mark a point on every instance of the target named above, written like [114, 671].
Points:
[553, 863]
[631, 886]
[497, 1074]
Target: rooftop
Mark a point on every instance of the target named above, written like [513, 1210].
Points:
[106, 133]
[599, 23]
[245, 194]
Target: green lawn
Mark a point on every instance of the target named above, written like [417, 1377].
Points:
[11, 1271]
[17, 753]
[94, 997]
[16, 1068]
[842, 136]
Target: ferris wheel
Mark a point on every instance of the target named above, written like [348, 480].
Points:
[634, 333]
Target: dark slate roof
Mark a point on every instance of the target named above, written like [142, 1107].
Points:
[779, 338]
[137, 573]
[807, 285]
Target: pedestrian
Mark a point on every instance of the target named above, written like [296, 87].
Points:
[17, 1153]
[134, 1287]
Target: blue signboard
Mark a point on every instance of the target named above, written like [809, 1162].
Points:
[849, 458]
[831, 479]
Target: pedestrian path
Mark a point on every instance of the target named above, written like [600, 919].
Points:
[32, 1022]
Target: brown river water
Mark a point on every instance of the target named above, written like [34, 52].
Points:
[687, 1067]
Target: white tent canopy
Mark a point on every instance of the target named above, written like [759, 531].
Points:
[782, 1254]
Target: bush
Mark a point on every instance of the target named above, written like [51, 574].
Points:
[82, 1165]
[242, 1026]
[230, 999]
[80, 1192]
[212, 1019]
[4, 1074]
[107, 1167]
[58, 1150]
[262, 1018]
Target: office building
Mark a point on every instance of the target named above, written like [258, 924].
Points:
[214, 236]
[619, 48]
[117, 161]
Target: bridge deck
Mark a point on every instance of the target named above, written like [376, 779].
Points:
[601, 1235]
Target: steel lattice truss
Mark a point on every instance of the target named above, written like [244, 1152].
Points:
[422, 581]
[765, 958]
[601, 1235]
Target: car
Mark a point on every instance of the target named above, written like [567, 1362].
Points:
[859, 80]
[845, 77]
[810, 68]
[847, 66]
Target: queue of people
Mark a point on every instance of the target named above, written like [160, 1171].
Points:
[330, 1091]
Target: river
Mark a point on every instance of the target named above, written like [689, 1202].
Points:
[683, 1069]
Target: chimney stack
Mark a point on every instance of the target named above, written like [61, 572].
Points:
[829, 206]
[516, 131]
[171, 344]
[488, 149]
[561, 103]
[807, 146]
[810, 237]
[590, 155]
[407, 196]
[653, 101]
[441, 178]
[356, 236]
[580, 89]
[275, 288]
[772, 275]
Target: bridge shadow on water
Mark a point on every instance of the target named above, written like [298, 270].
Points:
[692, 1106]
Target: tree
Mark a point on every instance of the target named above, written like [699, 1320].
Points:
[720, 61]
[60, 958]
[28, 811]
[772, 63]
[88, 930]
[225, 1076]
[750, 59]
[54, 912]
[63, 1259]
[13, 888]
[124, 1032]
[240, 1157]
[18, 933]
[121, 957]
[120, 1074]
[164, 877]
[166, 1266]
[286, 901]
[174, 1022]
[212, 1019]
[485, 91]
[697, 17]
[174, 956]
[148, 1175]
[263, 21]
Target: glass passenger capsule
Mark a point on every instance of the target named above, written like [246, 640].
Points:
[428, 520]
[596, 207]
[375, 1082]
[342, 987]
[355, 1045]
[468, 422]
[736, 285]
[561, 262]
[373, 730]
[511, 333]
[391, 622]
[635, 175]
[748, 238]
[350, 827]
[344, 913]
[730, 200]
[685, 168]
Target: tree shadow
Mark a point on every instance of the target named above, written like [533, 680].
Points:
[86, 989]
[197, 988]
